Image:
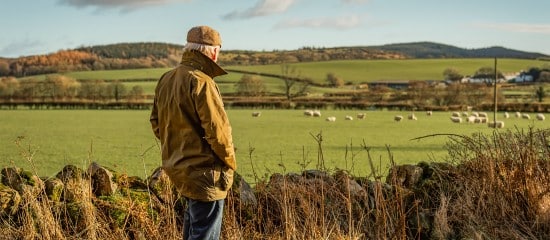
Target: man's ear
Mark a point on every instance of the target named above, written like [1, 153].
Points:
[215, 55]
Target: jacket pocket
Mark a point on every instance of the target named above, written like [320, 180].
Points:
[226, 178]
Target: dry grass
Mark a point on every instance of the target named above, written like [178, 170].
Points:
[491, 187]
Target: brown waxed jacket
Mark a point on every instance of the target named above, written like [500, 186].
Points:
[194, 132]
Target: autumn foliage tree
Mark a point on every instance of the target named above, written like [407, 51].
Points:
[251, 85]
[334, 81]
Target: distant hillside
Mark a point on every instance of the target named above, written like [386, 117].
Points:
[156, 55]
[437, 50]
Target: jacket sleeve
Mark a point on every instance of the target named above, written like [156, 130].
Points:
[154, 119]
[214, 121]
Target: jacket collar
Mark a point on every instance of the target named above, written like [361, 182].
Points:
[201, 62]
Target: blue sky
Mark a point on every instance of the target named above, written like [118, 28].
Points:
[31, 27]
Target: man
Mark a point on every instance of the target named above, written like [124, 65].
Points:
[195, 135]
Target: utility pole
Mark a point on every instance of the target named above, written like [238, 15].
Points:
[495, 97]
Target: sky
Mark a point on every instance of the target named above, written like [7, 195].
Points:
[35, 27]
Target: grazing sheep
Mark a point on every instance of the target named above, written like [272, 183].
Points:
[506, 115]
[316, 113]
[518, 114]
[471, 119]
[361, 116]
[429, 113]
[456, 119]
[499, 124]
[348, 117]
[540, 117]
[256, 114]
[308, 113]
[398, 118]
[483, 114]
[480, 120]
[525, 116]
[476, 114]
[331, 119]
[455, 114]
[465, 114]
[412, 117]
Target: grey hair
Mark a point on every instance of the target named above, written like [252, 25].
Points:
[207, 50]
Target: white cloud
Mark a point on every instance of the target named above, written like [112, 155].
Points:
[125, 5]
[355, 1]
[517, 27]
[344, 22]
[262, 8]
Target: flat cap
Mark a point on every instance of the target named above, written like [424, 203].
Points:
[204, 35]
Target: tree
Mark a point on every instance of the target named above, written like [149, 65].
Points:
[92, 89]
[116, 90]
[334, 80]
[292, 87]
[250, 85]
[4, 68]
[8, 87]
[136, 92]
[540, 93]
[487, 73]
[452, 74]
[59, 86]
[420, 93]
[544, 76]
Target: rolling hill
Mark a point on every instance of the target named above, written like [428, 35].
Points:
[158, 55]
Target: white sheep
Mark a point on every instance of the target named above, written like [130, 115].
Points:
[308, 113]
[518, 114]
[465, 114]
[471, 119]
[480, 120]
[429, 113]
[476, 114]
[506, 115]
[456, 119]
[483, 114]
[398, 118]
[412, 117]
[348, 117]
[331, 119]
[316, 113]
[499, 124]
[540, 117]
[525, 116]
[361, 116]
[455, 114]
[256, 114]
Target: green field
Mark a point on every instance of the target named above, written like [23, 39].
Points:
[351, 71]
[281, 140]
[361, 71]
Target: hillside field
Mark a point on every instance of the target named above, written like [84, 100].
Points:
[351, 71]
[277, 141]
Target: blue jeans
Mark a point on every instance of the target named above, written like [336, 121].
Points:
[202, 220]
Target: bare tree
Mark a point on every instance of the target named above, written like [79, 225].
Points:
[292, 86]
[420, 93]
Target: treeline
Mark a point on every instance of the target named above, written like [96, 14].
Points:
[158, 55]
[437, 50]
[58, 88]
